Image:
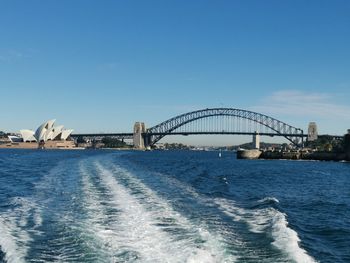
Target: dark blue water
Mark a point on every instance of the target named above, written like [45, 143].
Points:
[171, 206]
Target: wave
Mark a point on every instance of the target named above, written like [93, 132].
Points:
[14, 238]
[271, 222]
[150, 227]
[286, 239]
[8, 242]
[269, 200]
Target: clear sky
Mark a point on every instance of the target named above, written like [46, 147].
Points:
[102, 65]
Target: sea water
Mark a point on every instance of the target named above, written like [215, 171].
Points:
[171, 206]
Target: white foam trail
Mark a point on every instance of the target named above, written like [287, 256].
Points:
[139, 231]
[8, 242]
[230, 209]
[213, 241]
[96, 225]
[14, 237]
[287, 239]
[272, 221]
[200, 256]
[38, 220]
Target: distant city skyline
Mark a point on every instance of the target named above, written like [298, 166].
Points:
[101, 66]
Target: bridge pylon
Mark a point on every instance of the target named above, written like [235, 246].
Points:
[138, 139]
[256, 141]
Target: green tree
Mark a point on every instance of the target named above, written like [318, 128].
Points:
[110, 142]
[328, 147]
[80, 139]
[326, 143]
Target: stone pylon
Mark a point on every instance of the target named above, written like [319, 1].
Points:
[139, 129]
[256, 141]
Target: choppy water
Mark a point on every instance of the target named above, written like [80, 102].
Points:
[104, 206]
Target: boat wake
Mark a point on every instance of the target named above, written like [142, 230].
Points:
[271, 222]
[132, 223]
[14, 237]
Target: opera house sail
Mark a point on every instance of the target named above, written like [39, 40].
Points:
[27, 135]
[46, 136]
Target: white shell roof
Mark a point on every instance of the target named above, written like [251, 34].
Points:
[41, 132]
[45, 132]
[55, 132]
[27, 135]
[65, 134]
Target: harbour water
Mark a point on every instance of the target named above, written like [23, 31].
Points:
[171, 206]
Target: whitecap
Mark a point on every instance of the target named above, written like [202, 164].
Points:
[269, 199]
[8, 242]
[270, 221]
[287, 240]
[14, 229]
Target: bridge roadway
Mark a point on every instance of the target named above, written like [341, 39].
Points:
[226, 133]
[130, 135]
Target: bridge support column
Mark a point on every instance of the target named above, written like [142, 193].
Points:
[139, 129]
[256, 141]
[147, 141]
[312, 133]
[347, 145]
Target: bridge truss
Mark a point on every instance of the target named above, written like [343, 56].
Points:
[223, 121]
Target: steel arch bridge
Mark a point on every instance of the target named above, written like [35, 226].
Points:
[223, 121]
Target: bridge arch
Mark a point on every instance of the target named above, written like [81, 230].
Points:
[276, 127]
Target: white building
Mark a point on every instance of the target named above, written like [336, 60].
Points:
[44, 133]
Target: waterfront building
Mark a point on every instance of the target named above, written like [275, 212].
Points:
[15, 138]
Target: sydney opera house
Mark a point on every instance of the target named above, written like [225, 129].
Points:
[46, 136]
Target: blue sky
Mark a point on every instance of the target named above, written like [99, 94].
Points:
[102, 65]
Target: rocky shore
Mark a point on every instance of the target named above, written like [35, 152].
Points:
[293, 155]
[304, 155]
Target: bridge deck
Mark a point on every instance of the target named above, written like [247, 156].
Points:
[183, 133]
[228, 133]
